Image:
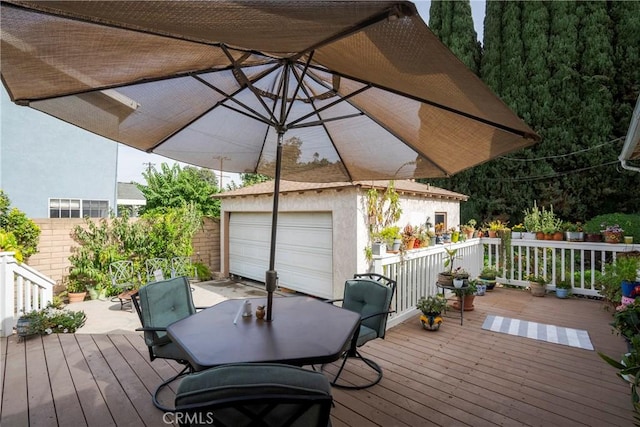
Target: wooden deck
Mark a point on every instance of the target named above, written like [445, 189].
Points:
[460, 375]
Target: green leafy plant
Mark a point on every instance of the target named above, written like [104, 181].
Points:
[563, 284]
[54, 320]
[433, 304]
[470, 289]
[532, 219]
[626, 268]
[202, 271]
[537, 279]
[488, 273]
[17, 232]
[448, 262]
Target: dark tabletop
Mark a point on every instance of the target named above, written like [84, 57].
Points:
[304, 331]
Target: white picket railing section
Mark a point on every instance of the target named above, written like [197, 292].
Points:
[416, 270]
[22, 289]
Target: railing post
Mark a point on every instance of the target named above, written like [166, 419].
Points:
[7, 263]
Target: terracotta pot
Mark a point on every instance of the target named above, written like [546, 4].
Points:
[558, 235]
[539, 235]
[592, 237]
[76, 296]
[537, 290]
[468, 303]
[493, 233]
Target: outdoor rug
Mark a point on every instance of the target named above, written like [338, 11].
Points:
[538, 331]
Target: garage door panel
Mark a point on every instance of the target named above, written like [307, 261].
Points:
[304, 249]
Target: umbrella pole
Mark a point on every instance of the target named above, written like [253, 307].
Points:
[271, 278]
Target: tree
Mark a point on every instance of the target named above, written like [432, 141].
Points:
[253, 178]
[19, 233]
[176, 187]
[571, 71]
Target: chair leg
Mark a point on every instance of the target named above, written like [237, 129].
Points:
[156, 402]
[373, 365]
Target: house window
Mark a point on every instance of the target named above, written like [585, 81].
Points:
[441, 218]
[71, 208]
[95, 208]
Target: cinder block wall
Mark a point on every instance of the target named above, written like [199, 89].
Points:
[56, 243]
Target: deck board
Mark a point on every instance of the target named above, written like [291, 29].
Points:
[459, 375]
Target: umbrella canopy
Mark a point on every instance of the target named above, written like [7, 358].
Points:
[307, 90]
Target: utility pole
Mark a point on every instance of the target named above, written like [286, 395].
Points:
[149, 165]
[222, 159]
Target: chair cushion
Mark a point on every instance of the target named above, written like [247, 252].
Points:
[366, 334]
[368, 297]
[231, 392]
[163, 303]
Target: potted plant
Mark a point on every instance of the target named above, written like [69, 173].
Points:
[612, 233]
[391, 237]
[495, 226]
[97, 291]
[469, 292]
[488, 277]
[563, 288]
[517, 231]
[592, 232]
[626, 270]
[537, 284]
[431, 308]
[532, 222]
[409, 236]
[446, 277]
[469, 228]
[76, 290]
[460, 275]
[573, 232]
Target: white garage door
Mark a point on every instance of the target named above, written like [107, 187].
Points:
[304, 249]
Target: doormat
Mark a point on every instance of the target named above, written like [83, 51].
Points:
[538, 331]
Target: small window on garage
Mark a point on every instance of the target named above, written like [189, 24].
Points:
[441, 218]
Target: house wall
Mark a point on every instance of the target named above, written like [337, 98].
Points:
[42, 157]
[342, 205]
[415, 211]
[56, 243]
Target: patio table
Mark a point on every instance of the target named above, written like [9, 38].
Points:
[303, 331]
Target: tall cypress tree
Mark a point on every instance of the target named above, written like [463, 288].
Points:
[571, 71]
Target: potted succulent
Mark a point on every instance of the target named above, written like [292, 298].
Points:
[391, 237]
[409, 234]
[460, 275]
[431, 308]
[573, 232]
[537, 284]
[488, 277]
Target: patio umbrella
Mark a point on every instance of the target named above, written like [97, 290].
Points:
[304, 90]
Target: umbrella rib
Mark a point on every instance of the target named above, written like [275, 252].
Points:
[433, 104]
[248, 83]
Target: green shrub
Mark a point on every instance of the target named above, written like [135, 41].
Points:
[630, 223]
[54, 320]
[25, 231]
[202, 271]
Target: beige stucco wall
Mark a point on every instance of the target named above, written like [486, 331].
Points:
[342, 205]
[415, 211]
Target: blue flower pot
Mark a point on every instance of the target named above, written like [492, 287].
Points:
[562, 293]
[627, 288]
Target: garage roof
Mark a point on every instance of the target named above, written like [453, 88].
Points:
[403, 187]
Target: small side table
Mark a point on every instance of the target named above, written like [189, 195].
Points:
[451, 288]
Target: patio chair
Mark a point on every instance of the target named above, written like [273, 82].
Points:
[369, 294]
[181, 266]
[159, 304]
[156, 268]
[255, 394]
[123, 277]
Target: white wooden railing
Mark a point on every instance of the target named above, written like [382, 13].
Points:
[416, 270]
[22, 289]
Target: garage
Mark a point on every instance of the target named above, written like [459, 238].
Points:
[304, 249]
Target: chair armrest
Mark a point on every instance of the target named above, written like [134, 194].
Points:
[149, 329]
[377, 314]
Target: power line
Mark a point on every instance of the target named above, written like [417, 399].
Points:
[556, 174]
[562, 155]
